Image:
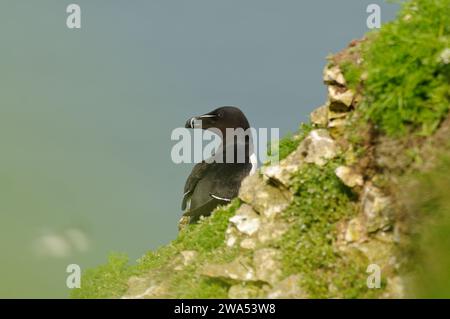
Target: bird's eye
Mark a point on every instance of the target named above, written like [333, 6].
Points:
[220, 114]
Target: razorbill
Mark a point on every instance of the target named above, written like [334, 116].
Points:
[216, 182]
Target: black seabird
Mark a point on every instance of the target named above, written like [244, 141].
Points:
[213, 183]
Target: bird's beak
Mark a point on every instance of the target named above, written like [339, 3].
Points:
[199, 121]
[190, 123]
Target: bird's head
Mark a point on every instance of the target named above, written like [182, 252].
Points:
[220, 119]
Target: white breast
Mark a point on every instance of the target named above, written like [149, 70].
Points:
[254, 162]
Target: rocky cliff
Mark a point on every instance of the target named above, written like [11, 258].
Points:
[339, 205]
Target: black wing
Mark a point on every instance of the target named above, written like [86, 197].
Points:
[203, 210]
[197, 174]
[213, 183]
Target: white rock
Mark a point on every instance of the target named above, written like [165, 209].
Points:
[246, 220]
[319, 147]
[289, 288]
[333, 75]
[338, 96]
[355, 231]
[231, 236]
[248, 243]
[320, 116]
[239, 269]
[376, 208]
[267, 264]
[349, 177]
[265, 198]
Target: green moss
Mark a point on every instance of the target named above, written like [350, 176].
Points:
[204, 288]
[321, 201]
[349, 279]
[407, 86]
[106, 281]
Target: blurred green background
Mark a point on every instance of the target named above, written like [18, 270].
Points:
[86, 115]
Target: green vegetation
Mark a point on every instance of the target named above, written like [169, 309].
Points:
[432, 242]
[106, 281]
[406, 86]
[307, 245]
[207, 238]
[321, 201]
[352, 73]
